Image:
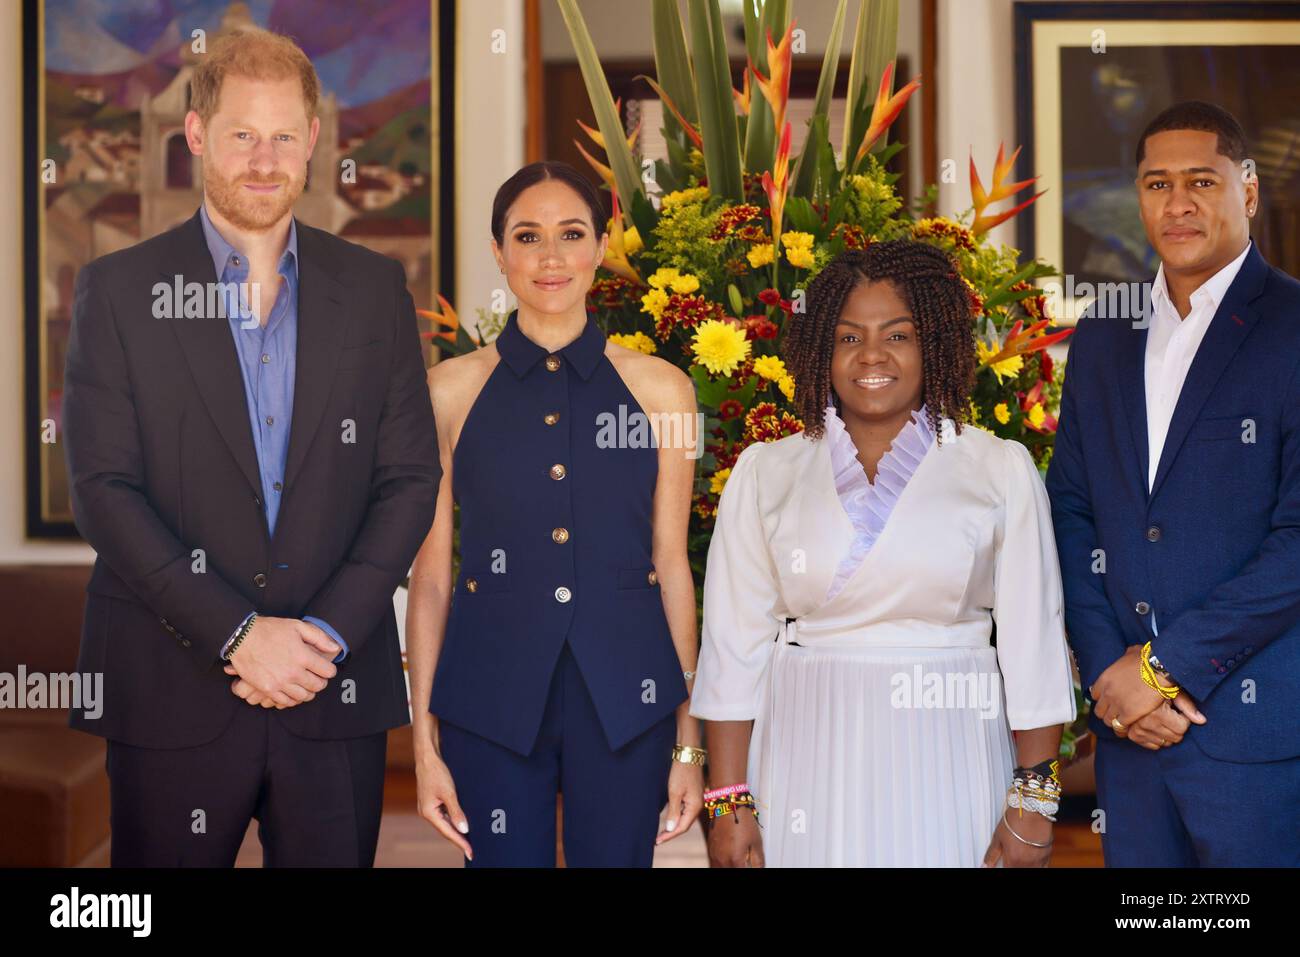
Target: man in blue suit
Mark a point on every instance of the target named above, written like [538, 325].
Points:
[1175, 487]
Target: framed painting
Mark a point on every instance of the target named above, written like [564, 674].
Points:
[106, 90]
[1090, 76]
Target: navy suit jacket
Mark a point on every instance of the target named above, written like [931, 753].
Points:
[162, 463]
[1214, 548]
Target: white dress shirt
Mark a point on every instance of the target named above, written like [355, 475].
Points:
[1171, 346]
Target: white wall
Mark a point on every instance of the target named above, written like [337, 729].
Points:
[491, 115]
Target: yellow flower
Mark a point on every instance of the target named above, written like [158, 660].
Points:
[632, 241]
[684, 284]
[798, 249]
[800, 258]
[697, 195]
[770, 367]
[760, 255]
[786, 385]
[1037, 415]
[1001, 413]
[1010, 366]
[720, 346]
[872, 190]
[637, 341]
[718, 481]
[654, 301]
[664, 276]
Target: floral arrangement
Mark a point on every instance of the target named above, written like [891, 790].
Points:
[708, 276]
[707, 269]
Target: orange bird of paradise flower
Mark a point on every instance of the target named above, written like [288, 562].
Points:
[885, 110]
[598, 138]
[775, 183]
[447, 319]
[616, 260]
[1001, 190]
[1021, 341]
[776, 85]
[690, 130]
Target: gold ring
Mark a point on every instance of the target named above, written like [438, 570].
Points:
[1114, 723]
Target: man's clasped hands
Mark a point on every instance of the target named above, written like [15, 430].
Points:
[282, 662]
[1134, 710]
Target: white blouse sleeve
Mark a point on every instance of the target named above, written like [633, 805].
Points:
[1028, 603]
[740, 591]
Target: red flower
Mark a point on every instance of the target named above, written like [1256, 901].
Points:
[729, 409]
[759, 327]
[771, 297]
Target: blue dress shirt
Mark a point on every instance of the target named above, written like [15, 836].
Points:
[268, 363]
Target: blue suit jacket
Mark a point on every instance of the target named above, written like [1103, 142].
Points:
[1214, 548]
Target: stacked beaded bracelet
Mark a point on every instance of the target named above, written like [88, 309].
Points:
[241, 635]
[1149, 675]
[1036, 789]
[728, 804]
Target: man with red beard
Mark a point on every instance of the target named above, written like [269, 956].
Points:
[256, 467]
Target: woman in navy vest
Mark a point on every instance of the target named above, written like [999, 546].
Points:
[558, 658]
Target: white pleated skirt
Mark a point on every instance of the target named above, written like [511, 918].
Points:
[880, 757]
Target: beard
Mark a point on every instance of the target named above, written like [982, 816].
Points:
[247, 210]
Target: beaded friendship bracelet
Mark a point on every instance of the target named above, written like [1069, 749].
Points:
[1149, 675]
[729, 789]
[716, 808]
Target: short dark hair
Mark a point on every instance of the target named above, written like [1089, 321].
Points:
[534, 173]
[927, 279]
[1198, 115]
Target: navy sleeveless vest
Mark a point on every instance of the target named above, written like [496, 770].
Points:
[555, 547]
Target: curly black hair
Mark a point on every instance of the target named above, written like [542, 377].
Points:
[928, 281]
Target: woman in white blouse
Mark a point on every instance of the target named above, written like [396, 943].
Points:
[853, 581]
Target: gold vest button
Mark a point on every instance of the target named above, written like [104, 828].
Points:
[558, 472]
[553, 363]
[471, 585]
[551, 418]
[652, 578]
[560, 535]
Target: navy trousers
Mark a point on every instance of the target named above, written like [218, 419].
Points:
[1178, 807]
[317, 803]
[612, 799]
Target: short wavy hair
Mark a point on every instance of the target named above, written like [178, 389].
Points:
[253, 54]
